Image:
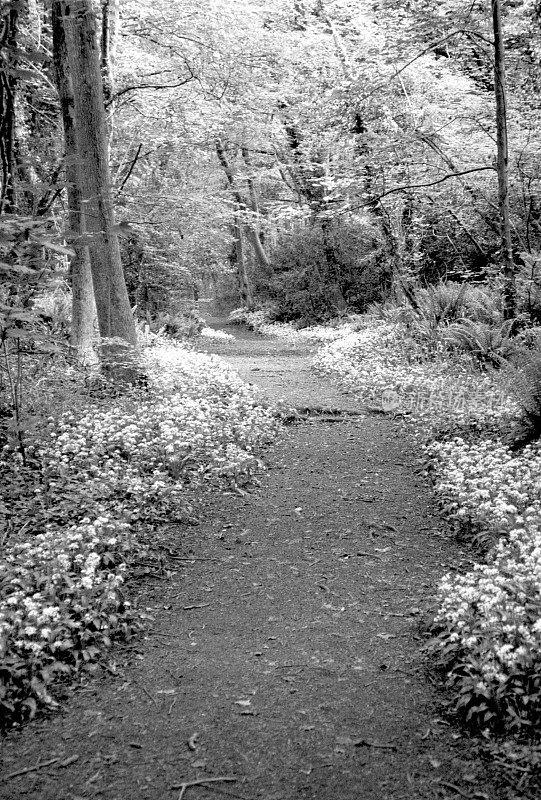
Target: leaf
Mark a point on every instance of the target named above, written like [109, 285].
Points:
[31, 704]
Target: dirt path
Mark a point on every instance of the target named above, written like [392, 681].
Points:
[285, 654]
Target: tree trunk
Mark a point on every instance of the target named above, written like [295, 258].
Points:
[9, 24]
[245, 288]
[110, 21]
[114, 314]
[110, 25]
[509, 270]
[83, 307]
[252, 233]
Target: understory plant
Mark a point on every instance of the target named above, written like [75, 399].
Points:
[488, 625]
[487, 629]
[92, 481]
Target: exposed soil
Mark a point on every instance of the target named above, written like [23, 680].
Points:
[284, 653]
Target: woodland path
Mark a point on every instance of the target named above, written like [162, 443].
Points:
[286, 653]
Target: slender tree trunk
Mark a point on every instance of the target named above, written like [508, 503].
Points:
[83, 309]
[9, 24]
[509, 270]
[114, 314]
[252, 232]
[243, 278]
[245, 288]
[110, 26]
[110, 22]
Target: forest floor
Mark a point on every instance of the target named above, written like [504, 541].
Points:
[283, 660]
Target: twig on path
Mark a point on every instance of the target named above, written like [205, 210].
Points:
[367, 743]
[185, 785]
[192, 558]
[454, 788]
[143, 689]
[110, 669]
[30, 769]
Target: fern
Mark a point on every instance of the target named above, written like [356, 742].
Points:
[524, 382]
[489, 345]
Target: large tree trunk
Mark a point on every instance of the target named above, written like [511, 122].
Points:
[114, 314]
[83, 308]
[509, 270]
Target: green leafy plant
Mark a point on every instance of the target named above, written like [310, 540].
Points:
[488, 344]
[524, 380]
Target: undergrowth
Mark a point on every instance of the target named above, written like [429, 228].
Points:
[469, 390]
[78, 500]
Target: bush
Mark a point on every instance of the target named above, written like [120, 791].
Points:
[322, 269]
[488, 345]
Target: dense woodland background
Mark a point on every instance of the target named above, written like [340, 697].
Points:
[327, 154]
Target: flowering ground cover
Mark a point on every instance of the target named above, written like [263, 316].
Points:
[488, 624]
[89, 481]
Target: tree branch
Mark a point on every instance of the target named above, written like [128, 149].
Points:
[433, 183]
[136, 88]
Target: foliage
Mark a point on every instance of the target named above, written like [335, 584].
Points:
[525, 383]
[320, 270]
[384, 360]
[489, 345]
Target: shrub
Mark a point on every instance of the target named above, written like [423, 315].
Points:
[488, 345]
[322, 269]
[524, 380]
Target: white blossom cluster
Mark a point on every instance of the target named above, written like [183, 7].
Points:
[492, 614]
[313, 333]
[382, 357]
[56, 587]
[211, 333]
[132, 457]
[490, 617]
[195, 410]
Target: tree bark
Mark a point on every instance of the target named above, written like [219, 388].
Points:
[110, 21]
[114, 314]
[83, 307]
[245, 288]
[500, 91]
[9, 25]
[252, 234]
